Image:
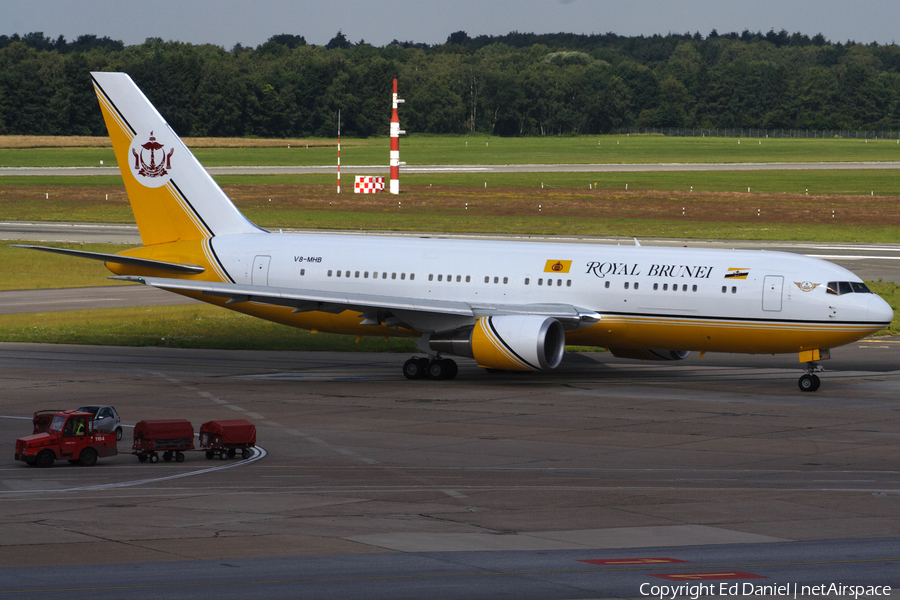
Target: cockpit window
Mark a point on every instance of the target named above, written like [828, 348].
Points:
[839, 288]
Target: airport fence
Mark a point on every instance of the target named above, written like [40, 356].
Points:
[756, 133]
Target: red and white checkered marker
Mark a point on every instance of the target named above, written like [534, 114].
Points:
[365, 184]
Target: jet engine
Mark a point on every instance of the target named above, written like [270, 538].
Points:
[508, 342]
[647, 354]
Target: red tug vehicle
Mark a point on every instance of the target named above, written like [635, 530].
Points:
[170, 436]
[65, 434]
[225, 438]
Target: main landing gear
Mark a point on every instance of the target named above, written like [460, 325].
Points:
[809, 382]
[436, 368]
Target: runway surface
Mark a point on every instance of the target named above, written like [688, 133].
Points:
[425, 169]
[486, 486]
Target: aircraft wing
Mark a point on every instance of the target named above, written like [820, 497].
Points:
[336, 302]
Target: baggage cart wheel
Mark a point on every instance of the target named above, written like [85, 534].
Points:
[179, 456]
[142, 458]
[154, 458]
[231, 453]
[245, 453]
[223, 454]
[167, 456]
[210, 454]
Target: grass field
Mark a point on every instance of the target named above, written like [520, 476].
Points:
[480, 149]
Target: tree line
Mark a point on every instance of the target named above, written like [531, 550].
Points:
[519, 84]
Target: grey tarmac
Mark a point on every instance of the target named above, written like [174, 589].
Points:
[487, 486]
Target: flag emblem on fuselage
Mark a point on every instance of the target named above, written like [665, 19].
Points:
[737, 273]
[557, 266]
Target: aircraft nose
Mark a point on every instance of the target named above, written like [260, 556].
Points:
[880, 311]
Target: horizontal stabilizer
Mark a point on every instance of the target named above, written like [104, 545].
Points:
[119, 259]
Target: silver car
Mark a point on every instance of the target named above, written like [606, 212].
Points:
[105, 419]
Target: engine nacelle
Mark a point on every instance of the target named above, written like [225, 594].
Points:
[648, 354]
[508, 342]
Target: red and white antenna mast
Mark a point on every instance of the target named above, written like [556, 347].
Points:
[339, 152]
[395, 143]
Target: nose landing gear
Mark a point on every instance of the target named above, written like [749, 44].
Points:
[809, 382]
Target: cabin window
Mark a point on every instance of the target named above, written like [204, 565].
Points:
[695, 288]
[430, 277]
[496, 280]
[412, 276]
[356, 274]
[505, 280]
[487, 279]
[541, 281]
[468, 278]
[724, 288]
[393, 276]
[568, 283]
[458, 278]
[338, 273]
[665, 287]
[384, 275]
[365, 275]
[440, 277]
[607, 285]
[734, 289]
[626, 285]
[329, 272]
[636, 284]
[402, 276]
[527, 281]
[302, 272]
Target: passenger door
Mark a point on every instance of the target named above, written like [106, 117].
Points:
[260, 273]
[773, 286]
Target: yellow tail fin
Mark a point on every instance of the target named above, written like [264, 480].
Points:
[172, 196]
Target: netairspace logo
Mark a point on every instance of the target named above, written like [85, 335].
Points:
[795, 590]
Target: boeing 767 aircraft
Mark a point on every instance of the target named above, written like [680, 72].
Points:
[509, 305]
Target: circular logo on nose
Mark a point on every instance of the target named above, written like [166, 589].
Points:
[151, 159]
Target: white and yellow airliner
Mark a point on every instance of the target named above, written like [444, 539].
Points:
[508, 305]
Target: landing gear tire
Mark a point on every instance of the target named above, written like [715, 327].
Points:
[415, 368]
[809, 383]
[442, 368]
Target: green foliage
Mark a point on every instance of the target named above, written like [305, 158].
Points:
[518, 84]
